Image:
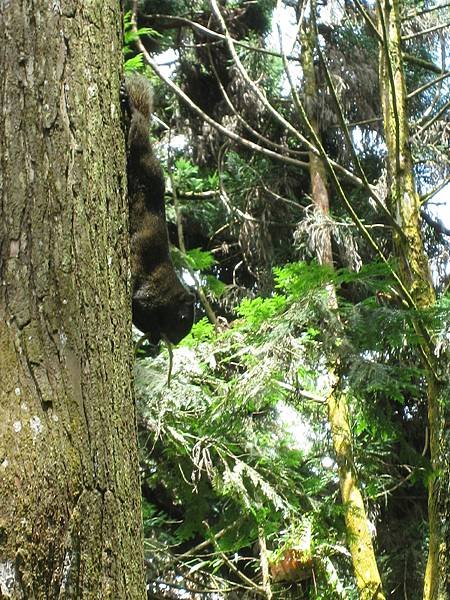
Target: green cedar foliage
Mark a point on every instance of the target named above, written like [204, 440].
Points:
[219, 443]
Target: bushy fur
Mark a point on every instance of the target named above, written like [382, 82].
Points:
[161, 304]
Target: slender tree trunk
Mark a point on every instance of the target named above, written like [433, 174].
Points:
[415, 275]
[358, 534]
[70, 522]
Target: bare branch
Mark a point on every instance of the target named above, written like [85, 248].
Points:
[436, 223]
[305, 393]
[411, 36]
[257, 588]
[437, 189]
[227, 132]
[231, 134]
[427, 85]
[262, 98]
[420, 62]
[208, 195]
[433, 120]
[241, 120]
[254, 87]
[425, 11]
[214, 34]
[368, 20]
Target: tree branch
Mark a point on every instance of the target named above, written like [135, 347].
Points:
[424, 199]
[231, 134]
[425, 11]
[427, 85]
[312, 147]
[435, 223]
[213, 34]
[420, 62]
[368, 20]
[411, 36]
[242, 120]
[433, 120]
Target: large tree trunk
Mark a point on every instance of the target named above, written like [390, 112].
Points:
[358, 533]
[415, 276]
[70, 522]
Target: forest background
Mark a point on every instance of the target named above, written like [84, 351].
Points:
[301, 449]
[295, 445]
[290, 456]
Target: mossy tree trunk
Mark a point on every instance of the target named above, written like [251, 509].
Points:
[415, 275]
[358, 534]
[70, 520]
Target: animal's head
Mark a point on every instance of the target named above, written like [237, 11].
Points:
[162, 307]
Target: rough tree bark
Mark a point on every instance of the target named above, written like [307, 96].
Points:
[415, 275]
[70, 522]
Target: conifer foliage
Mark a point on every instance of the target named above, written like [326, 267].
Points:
[306, 154]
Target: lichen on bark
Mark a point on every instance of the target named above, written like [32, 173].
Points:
[71, 522]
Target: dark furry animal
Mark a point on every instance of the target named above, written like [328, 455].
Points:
[162, 307]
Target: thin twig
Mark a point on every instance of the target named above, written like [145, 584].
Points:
[305, 393]
[241, 120]
[170, 351]
[257, 588]
[215, 34]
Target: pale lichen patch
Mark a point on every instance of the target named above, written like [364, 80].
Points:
[7, 578]
[14, 248]
[36, 425]
[68, 561]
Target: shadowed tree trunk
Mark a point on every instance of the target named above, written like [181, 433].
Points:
[357, 525]
[70, 522]
[415, 276]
